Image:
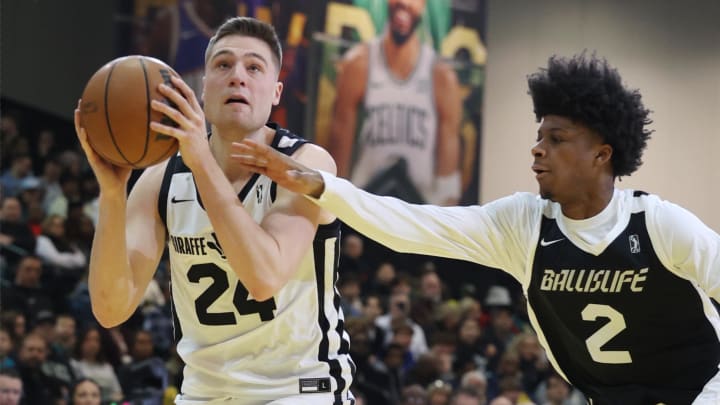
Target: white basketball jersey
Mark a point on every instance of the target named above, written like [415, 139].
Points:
[400, 121]
[232, 345]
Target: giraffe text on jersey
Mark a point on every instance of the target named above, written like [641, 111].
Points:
[594, 280]
[189, 245]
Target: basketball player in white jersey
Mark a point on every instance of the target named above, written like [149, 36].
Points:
[253, 266]
[618, 282]
[411, 108]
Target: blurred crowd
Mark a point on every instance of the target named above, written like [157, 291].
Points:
[417, 335]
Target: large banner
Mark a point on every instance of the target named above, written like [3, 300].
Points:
[393, 89]
[395, 94]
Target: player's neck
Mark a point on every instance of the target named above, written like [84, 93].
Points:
[401, 58]
[588, 204]
[220, 147]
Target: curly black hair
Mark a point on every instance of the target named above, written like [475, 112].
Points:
[588, 90]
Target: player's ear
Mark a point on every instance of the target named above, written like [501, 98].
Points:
[604, 154]
[278, 93]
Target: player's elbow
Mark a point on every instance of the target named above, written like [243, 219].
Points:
[106, 319]
[263, 291]
[107, 314]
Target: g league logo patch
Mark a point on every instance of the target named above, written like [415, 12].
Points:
[634, 244]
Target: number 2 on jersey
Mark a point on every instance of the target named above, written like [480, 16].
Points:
[218, 286]
[603, 335]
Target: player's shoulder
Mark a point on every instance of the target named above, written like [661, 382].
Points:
[151, 177]
[443, 73]
[356, 58]
[316, 157]
[302, 150]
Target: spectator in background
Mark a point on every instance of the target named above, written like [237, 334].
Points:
[349, 287]
[352, 258]
[373, 307]
[56, 364]
[554, 390]
[399, 309]
[16, 237]
[26, 294]
[65, 261]
[11, 387]
[466, 396]
[475, 380]
[414, 395]
[65, 335]
[85, 392]
[534, 365]
[39, 387]
[145, 378]
[50, 179]
[426, 304]
[439, 393]
[382, 280]
[89, 360]
[14, 323]
[30, 194]
[371, 375]
[70, 185]
[9, 134]
[44, 147]
[20, 169]
[470, 345]
[7, 346]
[392, 367]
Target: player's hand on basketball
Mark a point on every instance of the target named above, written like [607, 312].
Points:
[190, 131]
[111, 178]
[282, 169]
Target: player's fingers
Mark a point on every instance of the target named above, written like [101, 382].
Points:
[187, 92]
[171, 113]
[174, 96]
[176, 133]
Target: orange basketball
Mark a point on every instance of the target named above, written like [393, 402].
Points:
[116, 114]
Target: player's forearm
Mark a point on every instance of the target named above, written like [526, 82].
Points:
[253, 255]
[110, 277]
[407, 228]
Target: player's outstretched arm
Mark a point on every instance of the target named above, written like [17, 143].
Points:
[491, 235]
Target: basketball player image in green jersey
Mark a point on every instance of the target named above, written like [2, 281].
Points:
[397, 114]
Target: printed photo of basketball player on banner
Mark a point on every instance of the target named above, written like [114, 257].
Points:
[397, 90]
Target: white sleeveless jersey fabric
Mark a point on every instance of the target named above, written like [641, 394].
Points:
[400, 122]
[234, 346]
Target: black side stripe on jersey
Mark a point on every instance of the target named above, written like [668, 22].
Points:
[177, 328]
[165, 188]
[638, 193]
[325, 231]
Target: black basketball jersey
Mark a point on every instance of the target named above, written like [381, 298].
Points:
[620, 301]
[622, 327]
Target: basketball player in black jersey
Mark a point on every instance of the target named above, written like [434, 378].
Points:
[618, 282]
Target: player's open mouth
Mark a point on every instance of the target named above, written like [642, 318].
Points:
[236, 99]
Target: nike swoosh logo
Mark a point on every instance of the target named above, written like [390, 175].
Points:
[550, 242]
[174, 200]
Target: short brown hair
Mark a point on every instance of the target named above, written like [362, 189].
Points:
[248, 27]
